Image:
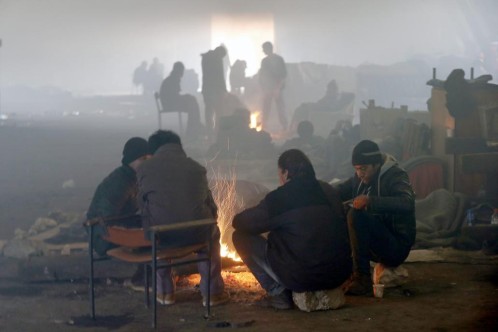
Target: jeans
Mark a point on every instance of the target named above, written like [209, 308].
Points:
[252, 248]
[372, 240]
[166, 285]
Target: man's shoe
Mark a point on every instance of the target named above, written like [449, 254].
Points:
[361, 285]
[282, 301]
[166, 299]
[216, 299]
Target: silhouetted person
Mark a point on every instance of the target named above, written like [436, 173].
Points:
[171, 99]
[214, 86]
[272, 76]
[140, 76]
[306, 141]
[332, 101]
[238, 76]
[338, 147]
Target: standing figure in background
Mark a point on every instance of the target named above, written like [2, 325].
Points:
[214, 86]
[272, 76]
[140, 76]
[155, 76]
[171, 99]
[238, 77]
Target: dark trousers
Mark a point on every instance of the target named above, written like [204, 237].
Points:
[252, 248]
[268, 97]
[372, 240]
[165, 283]
[213, 102]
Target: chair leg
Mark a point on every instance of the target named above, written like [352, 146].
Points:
[154, 282]
[159, 120]
[146, 283]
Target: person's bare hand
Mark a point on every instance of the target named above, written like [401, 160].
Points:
[360, 202]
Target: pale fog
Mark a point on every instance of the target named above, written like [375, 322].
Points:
[68, 102]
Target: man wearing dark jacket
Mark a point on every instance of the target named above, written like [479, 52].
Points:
[173, 188]
[382, 219]
[214, 86]
[116, 195]
[307, 248]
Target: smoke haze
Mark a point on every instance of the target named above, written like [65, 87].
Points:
[92, 46]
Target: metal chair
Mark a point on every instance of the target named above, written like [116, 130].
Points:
[161, 110]
[134, 248]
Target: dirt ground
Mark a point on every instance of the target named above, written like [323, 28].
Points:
[437, 297]
[50, 164]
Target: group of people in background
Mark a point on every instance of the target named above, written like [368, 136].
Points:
[305, 236]
[147, 79]
[217, 99]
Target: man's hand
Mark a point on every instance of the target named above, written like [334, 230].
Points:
[360, 202]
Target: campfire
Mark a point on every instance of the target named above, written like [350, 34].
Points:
[256, 121]
[225, 196]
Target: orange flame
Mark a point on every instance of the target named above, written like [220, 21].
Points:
[225, 197]
[256, 121]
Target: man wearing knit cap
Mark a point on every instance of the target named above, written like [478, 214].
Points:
[382, 218]
[116, 195]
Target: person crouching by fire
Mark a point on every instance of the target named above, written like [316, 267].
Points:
[307, 248]
[382, 219]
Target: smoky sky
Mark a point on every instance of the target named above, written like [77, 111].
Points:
[92, 46]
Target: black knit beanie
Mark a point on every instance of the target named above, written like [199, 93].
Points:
[134, 148]
[366, 153]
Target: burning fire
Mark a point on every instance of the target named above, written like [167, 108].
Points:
[225, 196]
[256, 121]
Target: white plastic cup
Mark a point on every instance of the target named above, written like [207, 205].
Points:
[378, 290]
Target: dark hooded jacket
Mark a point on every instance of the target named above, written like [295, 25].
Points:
[308, 244]
[173, 188]
[391, 198]
[116, 195]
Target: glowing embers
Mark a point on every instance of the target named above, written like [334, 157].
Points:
[256, 121]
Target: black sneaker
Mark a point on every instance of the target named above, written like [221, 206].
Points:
[282, 301]
[361, 285]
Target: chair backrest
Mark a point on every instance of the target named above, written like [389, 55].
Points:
[161, 110]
